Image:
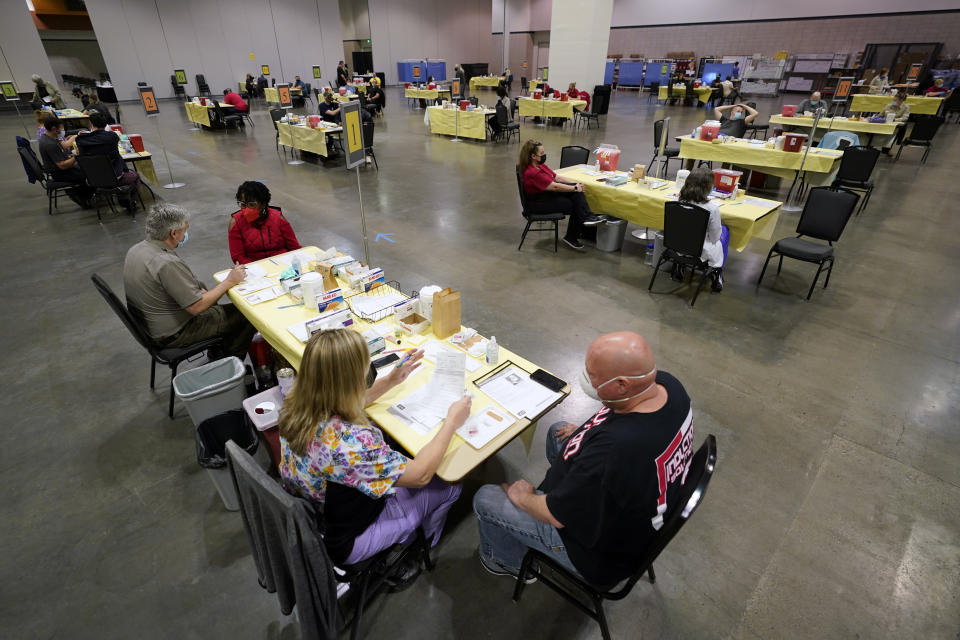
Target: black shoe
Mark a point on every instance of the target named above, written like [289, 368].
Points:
[676, 273]
[404, 575]
[717, 281]
[497, 570]
[573, 244]
[885, 151]
[591, 219]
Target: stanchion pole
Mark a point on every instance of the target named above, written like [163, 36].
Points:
[363, 219]
[795, 199]
[172, 184]
[19, 115]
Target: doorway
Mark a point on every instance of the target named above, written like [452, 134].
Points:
[362, 61]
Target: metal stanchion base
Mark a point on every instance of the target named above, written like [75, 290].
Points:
[174, 185]
[296, 162]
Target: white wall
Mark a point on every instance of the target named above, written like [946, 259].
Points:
[453, 30]
[143, 40]
[654, 12]
[524, 15]
[21, 47]
[354, 20]
[73, 52]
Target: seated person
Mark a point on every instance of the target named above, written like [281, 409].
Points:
[174, 306]
[734, 118]
[57, 157]
[251, 86]
[879, 82]
[233, 99]
[329, 109]
[95, 106]
[613, 480]
[258, 231]
[41, 116]
[100, 142]
[937, 89]
[696, 190]
[547, 193]
[728, 90]
[573, 92]
[423, 101]
[811, 104]
[297, 83]
[375, 100]
[901, 113]
[373, 496]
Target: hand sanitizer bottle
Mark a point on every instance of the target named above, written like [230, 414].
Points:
[295, 263]
[493, 351]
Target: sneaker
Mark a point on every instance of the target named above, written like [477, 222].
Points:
[495, 569]
[717, 284]
[592, 219]
[573, 244]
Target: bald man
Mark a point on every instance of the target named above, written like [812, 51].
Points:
[612, 480]
[811, 104]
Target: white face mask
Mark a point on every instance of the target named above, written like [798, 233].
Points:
[593, 392]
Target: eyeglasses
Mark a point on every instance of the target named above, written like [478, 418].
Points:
[252, 205]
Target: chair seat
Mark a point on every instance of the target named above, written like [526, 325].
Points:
[671, 152]
[172, 354]
[56, 184]
[513, 125]
[803, 249]
[855, 184]
[543, 217]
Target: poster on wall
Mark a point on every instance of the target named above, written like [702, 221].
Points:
[181, 76]
[265, 69]
[9, 91]
[316, 72]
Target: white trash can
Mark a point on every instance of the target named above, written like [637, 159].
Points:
[211, 389]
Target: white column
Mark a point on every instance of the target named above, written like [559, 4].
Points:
[579, 36]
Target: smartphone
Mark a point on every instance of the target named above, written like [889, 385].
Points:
[385, 360]
[548, 380]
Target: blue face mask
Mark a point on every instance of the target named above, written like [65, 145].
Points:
[738, 115]
[815, 103]
[186, 236]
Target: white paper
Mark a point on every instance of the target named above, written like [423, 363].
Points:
[367, 306]
[249, 286]
[757, 202]
[286, 259]
[426, 407]
[254, 272]
[484, 426]
[433, 348]
[265, 295]
[513, 389]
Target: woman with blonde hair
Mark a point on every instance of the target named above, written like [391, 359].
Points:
[373, 496]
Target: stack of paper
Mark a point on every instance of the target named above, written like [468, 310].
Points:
[426, 407]
[513, 390]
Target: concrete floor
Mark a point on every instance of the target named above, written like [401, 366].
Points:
[833, 511]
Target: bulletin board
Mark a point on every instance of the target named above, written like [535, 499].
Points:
[656, 72]
[630, 74]
[608, 72]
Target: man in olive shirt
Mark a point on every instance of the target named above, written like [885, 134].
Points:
[173, 304]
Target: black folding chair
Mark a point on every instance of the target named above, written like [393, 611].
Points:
[203, 89]
[654, 91]
[366, 129]
[856, 167]
[506, 128]
[922, 135]
[524, 85]
[572, 586]
[684, 230]
[669, 153]
[540, 219]
[54, 188]
[951, 106]
[98, 170]
[226, 119]
[596, 110]
[275, 116]
[572, 155]
[824, 217]
[172, 357]
[178, 90]
[754, 129]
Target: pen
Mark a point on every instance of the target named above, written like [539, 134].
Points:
[404, 359]
[274, 261]
[287, 306]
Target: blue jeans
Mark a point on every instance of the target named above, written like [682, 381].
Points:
[506, 532]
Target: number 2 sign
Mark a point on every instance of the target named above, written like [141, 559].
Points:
[149, 101]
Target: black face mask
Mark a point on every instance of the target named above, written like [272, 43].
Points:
[542, 159]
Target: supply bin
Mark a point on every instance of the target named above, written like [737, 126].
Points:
[211, 389]
[794, 141]
[709, 130]
[789, 110]
[610, 234]
[725, 180]
[266, 421]
[137, 141]
[608, 155]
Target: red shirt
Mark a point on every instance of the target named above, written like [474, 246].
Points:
[251, 241]
[537, 179]
[935, 89]
[233, 99]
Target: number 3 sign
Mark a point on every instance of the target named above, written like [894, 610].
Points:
[149, 101]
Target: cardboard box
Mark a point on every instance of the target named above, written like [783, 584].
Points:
[413, 324]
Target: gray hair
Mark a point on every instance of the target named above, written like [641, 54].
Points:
[36, 78]
[164, 218]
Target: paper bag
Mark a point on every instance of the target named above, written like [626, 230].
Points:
[325, 269]
[446, 313]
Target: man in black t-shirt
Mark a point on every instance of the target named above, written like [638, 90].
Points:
[734, 118]
[61, 163]
[613, 480]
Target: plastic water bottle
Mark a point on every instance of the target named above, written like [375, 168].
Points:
[648, 256]
[295, 263]
[493, 351]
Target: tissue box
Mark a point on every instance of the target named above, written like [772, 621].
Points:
[294, 286]
[375, 343]
[330, 320]
[413, 323]
[330, 301]
[340, 263]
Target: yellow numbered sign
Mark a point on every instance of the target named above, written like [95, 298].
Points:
[265, 69]
[283, 94]
[181, 76]
[316, 72]
[9, 91]
[352, 127]
[456, 87]
[354, 139]
[416, 72]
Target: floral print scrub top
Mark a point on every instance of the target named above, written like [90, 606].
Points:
[349, 454]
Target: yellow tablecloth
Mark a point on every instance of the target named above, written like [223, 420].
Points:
[426, 94]
[784, 164]
[837, 124]
[142, 164]
[484, 81]
[197, 113]
[533, 84]
[460, 457]
[874, 104]
[359, 86]
[644, 207]
[464, 124]
[305, 138]
[703, 93]
[529, 107]
[270, 95]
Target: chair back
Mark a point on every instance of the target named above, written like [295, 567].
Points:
[857, 163]
[523, 194]
[98, 170]
[523, 83]
[925, 128]
[692, 491]
[659, 129]
[475, 101]
[835, 139]
[826, 213]
[132, 324]
[952, 103]
[276, 115]
[502, 118]
[271, 518]
[513, 106]
[31, 160]
[572, 155]
[654, 87]
[366, 130]
[684, 228]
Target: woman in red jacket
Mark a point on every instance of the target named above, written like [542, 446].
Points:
[258, 231]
